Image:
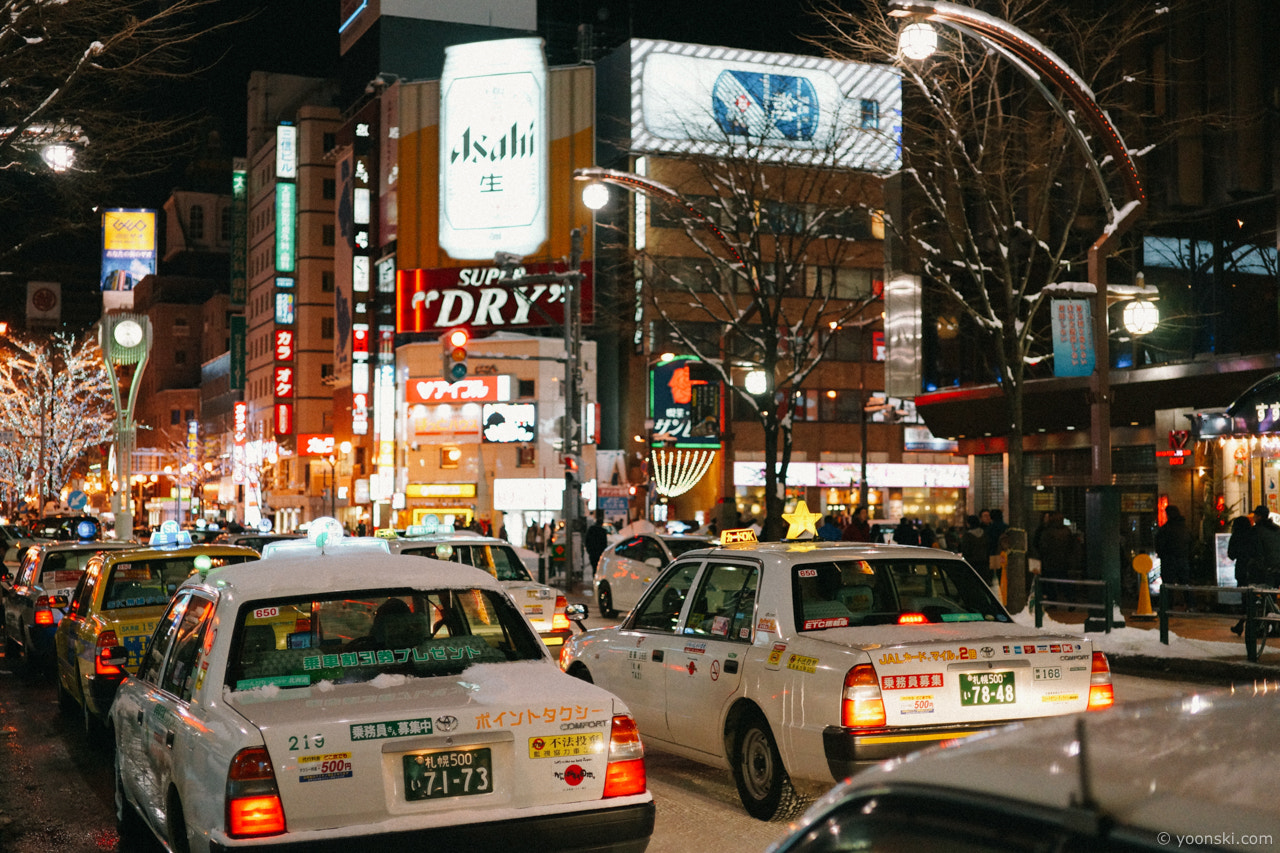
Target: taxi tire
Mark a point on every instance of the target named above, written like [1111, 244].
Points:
[604, 598]
[177, 823]
[66, 702]
[129, 824]
[95, 730]
[764, 786]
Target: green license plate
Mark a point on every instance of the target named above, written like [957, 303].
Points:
[455, 773]
[986, 688]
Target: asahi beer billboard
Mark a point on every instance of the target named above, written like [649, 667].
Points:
[493, 148]
[692, 98]
[427, 300]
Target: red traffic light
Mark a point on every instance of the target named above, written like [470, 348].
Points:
[457, 337]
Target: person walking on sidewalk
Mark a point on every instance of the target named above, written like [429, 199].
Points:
[1173, 547]
[1245, 548]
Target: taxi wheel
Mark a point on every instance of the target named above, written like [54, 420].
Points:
[95, 730]
[10, 649]
[763, 784]
[604, 598]
[66, 702]
[128, 822]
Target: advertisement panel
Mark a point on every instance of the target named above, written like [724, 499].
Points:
[128, 247]
[493, 148]
[286, 236]
[1072, 321]
[239, 230]
[429, 300]
[507, 423]
[690, 98]
[473, 389]
[685, 403]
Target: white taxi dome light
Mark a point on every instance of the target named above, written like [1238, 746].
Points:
[324, 532]
[264, 525]
[431, 526]
[169, 534]
[324, 536]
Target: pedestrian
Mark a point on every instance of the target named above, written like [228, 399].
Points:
[597, 539]
[973, 547]
[830, 531]
[1245, 548]
[1059, 551]
[928, 539]
[858, 529]
[996, 544]
[362, 529]
[531, 536]
[905, 533]
[1269, 544]
[1173, 547]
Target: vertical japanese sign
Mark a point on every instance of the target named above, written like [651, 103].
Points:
[239, 230]
[1072, 322]
[685, 402]
[239, 336]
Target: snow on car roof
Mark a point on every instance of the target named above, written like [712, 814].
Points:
[345, 569]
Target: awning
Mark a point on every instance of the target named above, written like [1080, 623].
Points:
[1054, 404]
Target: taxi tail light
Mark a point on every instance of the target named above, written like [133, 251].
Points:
[625, 775]
[254, 809]
[108, 655]
[1101, 695]
[861, 705]
[560, 622]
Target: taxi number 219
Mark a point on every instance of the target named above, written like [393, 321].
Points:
[297, 742]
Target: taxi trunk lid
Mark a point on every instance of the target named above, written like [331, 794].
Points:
[490, 740]
[957, 681]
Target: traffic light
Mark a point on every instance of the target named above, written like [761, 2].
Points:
[455, 354]
[572, 469]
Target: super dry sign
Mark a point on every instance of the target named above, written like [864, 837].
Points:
[428, 300]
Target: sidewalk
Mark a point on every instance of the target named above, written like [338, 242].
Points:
[1201, 646]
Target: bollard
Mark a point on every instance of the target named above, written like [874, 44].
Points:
[1142, 565]
[1252, 606]
[1164, 614]
[1036, 591]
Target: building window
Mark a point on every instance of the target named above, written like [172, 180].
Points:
[527, 388]
[326, 369]
[175, 417]
[450, 456]
[180, 356]
[526, 456]
[196, 225]
[329, 189]
[326, 282]
[326, 328]
[329, 141]
[180, 327]
[191, 415]
[870, 114]
[326, 235]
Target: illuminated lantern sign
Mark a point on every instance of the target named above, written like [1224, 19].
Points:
[493, 148]
[284, 381]
[241, 414]
[284, 345]
[1072, 326]
[429, 300]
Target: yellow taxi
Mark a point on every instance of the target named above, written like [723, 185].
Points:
[115, 608]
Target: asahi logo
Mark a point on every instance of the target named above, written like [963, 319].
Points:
[478, 147]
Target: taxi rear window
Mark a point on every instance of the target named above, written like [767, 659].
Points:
[500, 561]
[850, 593]
[146, 582]
[63, 568]
[357, 636]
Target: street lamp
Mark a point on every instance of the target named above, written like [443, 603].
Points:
[126, 343]
[332, 459]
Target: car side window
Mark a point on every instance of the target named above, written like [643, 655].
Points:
[84, 591]
[631, 549]
[28, 571]
[724, 605]
[659, 610]
[653, 549]
[179, 676]
[161, 639]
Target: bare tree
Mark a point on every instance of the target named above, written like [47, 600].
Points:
[56, 405]
[85, 75]
[754, 273]
[999, 205]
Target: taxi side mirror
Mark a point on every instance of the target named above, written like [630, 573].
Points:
[576, 613]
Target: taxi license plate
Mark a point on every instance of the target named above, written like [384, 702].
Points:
[986, 688]
[455, 773]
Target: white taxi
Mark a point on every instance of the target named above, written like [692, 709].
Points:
[407, 706]
[796, 663]
[543, 605]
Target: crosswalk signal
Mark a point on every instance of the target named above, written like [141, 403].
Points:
[572, 469]
[455, 354]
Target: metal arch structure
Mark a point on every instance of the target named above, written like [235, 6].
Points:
[1039, 63]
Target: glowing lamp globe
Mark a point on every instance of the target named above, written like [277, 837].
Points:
[595, 195]
[917, 40]
[1141, 317]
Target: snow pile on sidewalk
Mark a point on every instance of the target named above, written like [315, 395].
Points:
[1141, 641]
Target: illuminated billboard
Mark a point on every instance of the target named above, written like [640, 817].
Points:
[690, 98]
[286, 243]
[685, 402]
[427, 300]
[128, 247]
[506, 423]
[493, 148]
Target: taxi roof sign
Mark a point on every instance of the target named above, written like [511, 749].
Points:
[742, 534]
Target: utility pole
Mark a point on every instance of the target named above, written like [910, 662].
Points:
[571, 510]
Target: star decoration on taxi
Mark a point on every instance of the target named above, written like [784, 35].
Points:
[801, 521]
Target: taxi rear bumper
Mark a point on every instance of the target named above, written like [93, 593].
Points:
[850, 750]
[622, 829]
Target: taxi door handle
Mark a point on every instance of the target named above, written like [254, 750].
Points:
[139, 716]
[657, 655]
[168, 739]
[731, 666]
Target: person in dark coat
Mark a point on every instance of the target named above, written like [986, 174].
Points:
[830, 531]
[1173, 547]
[597, 539]
[1245, 548]
[858, 529]
[905, 533]
[973, 547]
[1268, 544]
[1059, 551]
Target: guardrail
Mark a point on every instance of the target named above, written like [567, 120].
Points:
[1258, 617]
[1038, 597]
